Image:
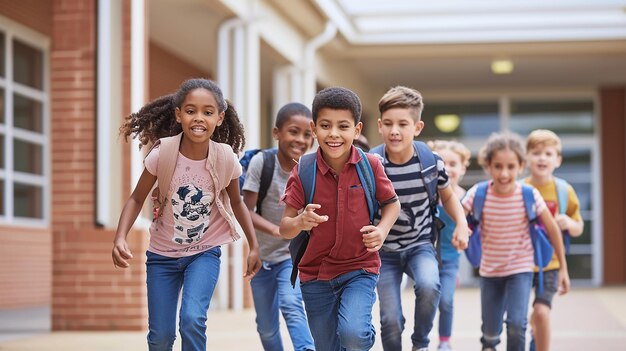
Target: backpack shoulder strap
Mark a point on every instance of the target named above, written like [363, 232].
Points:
[222, 163]
[562, 194]
[366, 176]
[168, 154]
[378, 150]
[529, 202]
[307, 168]
[269, 162]
[429, 170]
[479, 200]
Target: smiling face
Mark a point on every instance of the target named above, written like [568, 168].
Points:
[454, 165]
[542, 161]
[398, 129]
[335, 130]
[199, 115]
[504, 168]
[294, 138]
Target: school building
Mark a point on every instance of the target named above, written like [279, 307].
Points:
[70, 70]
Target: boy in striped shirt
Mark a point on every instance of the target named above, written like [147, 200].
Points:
[409, 246]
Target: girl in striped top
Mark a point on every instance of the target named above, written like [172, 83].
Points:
[506, 267]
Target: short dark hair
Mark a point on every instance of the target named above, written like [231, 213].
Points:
[289, 110]
[337, 98]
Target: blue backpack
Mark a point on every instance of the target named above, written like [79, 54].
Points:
[562, 198]
[269, 160]
[430, 176]
[307, 171]
[542, 247]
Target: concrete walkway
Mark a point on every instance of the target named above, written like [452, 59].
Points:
[585, 319]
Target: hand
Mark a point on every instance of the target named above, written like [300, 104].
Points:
[563, 222]
[373, 238]
[253, 264]
[121, 253]
[276, 232]
[460, 237]
[564, 282]
[309, 219]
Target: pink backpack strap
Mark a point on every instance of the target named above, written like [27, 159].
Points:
[168, 154]
[222, 162]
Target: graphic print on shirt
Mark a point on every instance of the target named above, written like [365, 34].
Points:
[192, 208]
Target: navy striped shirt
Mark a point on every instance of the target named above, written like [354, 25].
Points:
[413, 227]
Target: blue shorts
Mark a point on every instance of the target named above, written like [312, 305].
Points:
[550, 287]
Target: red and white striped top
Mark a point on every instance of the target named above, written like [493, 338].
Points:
[506, 245]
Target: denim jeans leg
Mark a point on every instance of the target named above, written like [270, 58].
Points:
[265, 296]
[322, 306]
[447, 278]
[391, 318]
[355, 328]
[423, 268]
[292, 308]
[492, 306]
[200, 277]
[164, 280]
[517, 294]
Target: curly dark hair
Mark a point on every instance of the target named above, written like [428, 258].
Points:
[337, 98]
[157, 119]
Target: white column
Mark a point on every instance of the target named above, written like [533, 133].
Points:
[109, 111]
[309, 75]
[281, 88]
[138, 79]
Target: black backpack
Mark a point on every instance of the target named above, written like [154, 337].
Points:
[269, 161]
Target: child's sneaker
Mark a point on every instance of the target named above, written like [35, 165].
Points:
[444, 346]
[420, 349]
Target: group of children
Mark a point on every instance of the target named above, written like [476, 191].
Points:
[368, 219]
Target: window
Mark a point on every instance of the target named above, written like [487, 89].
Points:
[460, 120]
[24, 150]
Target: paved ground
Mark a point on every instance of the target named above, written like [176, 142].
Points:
[583, 320]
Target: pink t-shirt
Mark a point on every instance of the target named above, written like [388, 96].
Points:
[191, 222]
[506, 245]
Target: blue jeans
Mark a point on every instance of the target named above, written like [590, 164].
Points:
[196, 275]
[340, 311]
[447, 277]
[420, 263]
[508, 294]
[272, 291]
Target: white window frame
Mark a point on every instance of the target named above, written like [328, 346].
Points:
[15, 31]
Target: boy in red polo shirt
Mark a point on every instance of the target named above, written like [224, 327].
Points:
[340, 267]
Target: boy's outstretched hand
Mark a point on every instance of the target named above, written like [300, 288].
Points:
[121, 253]
[309, 219]
[373, 238]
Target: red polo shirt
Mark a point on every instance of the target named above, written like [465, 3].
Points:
[336, 246]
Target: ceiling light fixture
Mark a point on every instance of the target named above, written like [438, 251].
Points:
[447, 123]
[502, 66]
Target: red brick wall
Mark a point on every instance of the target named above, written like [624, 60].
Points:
[26, 253]
[613, 151]
[25, 261]
[34, 14]
[167, 71]
[88, 293]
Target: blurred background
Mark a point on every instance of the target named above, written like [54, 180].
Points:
[70, 70]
